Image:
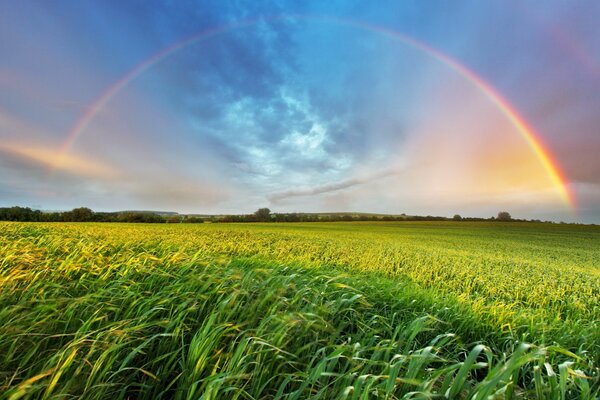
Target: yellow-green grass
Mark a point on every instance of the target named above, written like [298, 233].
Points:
[356, 310]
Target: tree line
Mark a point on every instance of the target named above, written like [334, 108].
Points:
[265, 215]
[84, 214]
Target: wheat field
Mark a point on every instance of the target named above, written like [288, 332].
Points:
[305, 310]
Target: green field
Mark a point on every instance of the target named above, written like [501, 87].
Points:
[307, 310]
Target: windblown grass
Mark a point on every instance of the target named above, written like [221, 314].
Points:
[298, 311]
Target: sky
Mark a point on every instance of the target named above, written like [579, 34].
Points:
[416, 107]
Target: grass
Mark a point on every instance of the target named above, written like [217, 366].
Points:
[341, 310]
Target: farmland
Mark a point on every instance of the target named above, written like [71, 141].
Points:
[322, 310]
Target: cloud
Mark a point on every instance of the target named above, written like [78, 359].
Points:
[71, 163]
[176, 194]
[331, 187]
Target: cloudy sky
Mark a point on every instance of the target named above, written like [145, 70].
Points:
[418, 107]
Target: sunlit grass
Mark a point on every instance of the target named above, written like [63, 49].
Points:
[299, 311]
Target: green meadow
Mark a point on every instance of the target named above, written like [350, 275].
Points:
[415, 310]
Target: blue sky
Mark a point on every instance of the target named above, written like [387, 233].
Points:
[301, 110]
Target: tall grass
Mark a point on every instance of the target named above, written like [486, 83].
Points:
[122, 311]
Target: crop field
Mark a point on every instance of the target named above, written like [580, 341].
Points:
[305, 310]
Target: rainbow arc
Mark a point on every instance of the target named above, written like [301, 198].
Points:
[531, 137]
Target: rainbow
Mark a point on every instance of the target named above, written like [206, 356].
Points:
[525, 130]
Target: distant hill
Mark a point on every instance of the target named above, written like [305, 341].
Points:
[161, 213]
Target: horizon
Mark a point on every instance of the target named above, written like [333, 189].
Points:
[514, 218]
[217, 108]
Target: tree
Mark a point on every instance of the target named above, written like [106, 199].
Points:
[147, 217]
[81, 214]
[193, 220]
[457, 217]
[504, 216]
[19, 214]
[263, 214]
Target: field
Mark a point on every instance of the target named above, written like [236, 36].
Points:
[314, 310]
